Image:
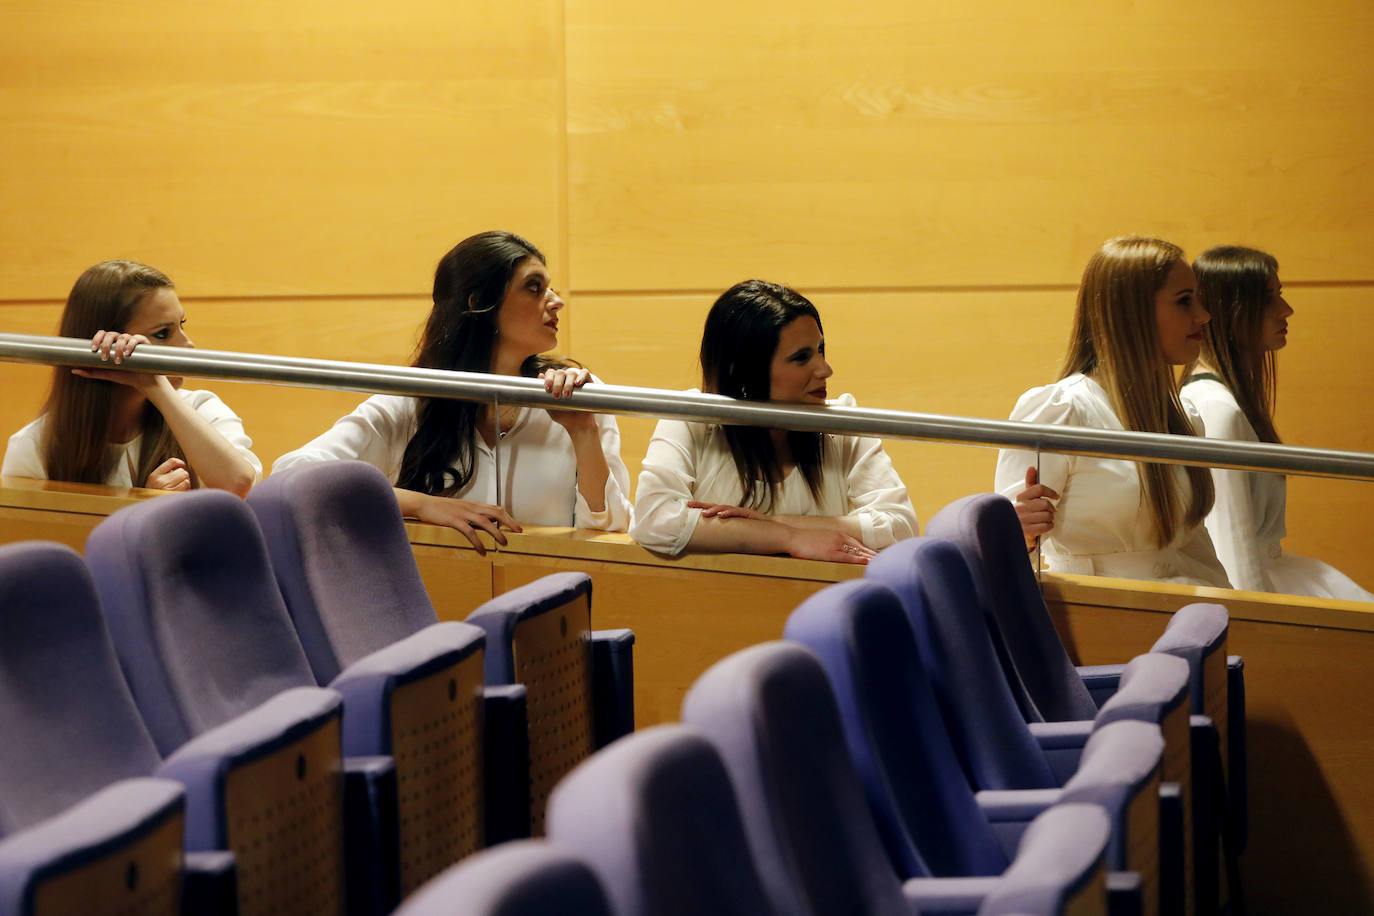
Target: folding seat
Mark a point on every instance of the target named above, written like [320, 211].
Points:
[771, 715]
[521, 878]
[85, 828]
[655, 817]
[344, 566]
[578, 682]
[928, 816]
[999, 750]
[209, 653]
[1046, 684]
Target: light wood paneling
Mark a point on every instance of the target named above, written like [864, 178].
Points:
[917, 144]
[262, 148]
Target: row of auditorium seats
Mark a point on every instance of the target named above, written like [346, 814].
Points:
[234, 707]
[901, 750]
[886, 757]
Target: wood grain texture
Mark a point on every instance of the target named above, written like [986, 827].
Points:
[263, 149]
[916, 145]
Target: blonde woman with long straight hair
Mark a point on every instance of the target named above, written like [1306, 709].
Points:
[1232, 387]
[1137, 318]
[130, 429]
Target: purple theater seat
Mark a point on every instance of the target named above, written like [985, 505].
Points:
[522, 878]
[218, 674]
[579, 685]
[74, 799]
[656, 819]
[344, 566]
[1058, 868]
[771, 714]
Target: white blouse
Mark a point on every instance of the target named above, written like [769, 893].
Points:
[1247, 521]
[24, 456]
[692, 462]
[1101, 527]
[538, 479]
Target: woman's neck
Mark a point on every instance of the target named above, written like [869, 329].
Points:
[127, 412]
[505, 362]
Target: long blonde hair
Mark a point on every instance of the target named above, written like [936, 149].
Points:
[1115, 339]
[80, 415]
[1233, 285]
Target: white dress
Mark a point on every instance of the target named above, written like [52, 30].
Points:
[1247, 522]
[1101, 528]
[692, 461]
[24, 455]
[538, 467]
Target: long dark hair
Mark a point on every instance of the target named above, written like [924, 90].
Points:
[80, 411]
[1115, 338]
[737, 348]
[469, 286]
[1233, 284]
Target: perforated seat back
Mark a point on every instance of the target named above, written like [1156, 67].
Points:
[539, 635]
[68, 721]
[342, 560]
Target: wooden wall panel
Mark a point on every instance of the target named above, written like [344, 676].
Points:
[913, 145]
[262, 148]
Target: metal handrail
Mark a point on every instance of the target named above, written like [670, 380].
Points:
[702, 408]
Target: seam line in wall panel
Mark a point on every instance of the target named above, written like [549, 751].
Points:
[561, 168]
[935, 288]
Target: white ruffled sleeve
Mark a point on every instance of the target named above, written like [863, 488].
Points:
[1048, 404]
[376, 432]
[227, 423]
[617, 512]
[667, 478]
[875, 494]
[1233, 523]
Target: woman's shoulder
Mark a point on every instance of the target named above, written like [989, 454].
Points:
[1207, 389]
[1062, 401]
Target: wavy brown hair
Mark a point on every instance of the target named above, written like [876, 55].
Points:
[80, 417]
[737, 347]
[1233, 284]
[1115, 339]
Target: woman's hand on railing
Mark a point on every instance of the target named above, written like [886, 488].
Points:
[169, 475]
[1034, 509]
[464, 516]
[831, 546]
[116, 346]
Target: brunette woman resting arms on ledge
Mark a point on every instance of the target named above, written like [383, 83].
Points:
[1137, 318]
[494, 311]
[742, 489]
[1231, 386]
[122, 428]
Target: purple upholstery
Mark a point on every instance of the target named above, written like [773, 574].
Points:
[769, 711]
[197, 621]
[342, 560]
[656, 819]
[1061, 854]
[1152, 686]
[985, 529]
[112, 819]
[1120, 759]
[990, 734]
[919, 795]
[523, 878]
[69, 723]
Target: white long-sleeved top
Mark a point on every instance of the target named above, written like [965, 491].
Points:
[1247, 520]
[692, 462]
[24, 456]
[1101, 527]
[538, 466]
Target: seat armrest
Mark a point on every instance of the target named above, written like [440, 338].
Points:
[1125, 896]
[211, 884]
[372, 851]
[1101, 680]
[1172, 849]
[947, 896]
[1238, 784]
[613, 685]
[1062, 743]
[506, 763]
[1010, 811]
